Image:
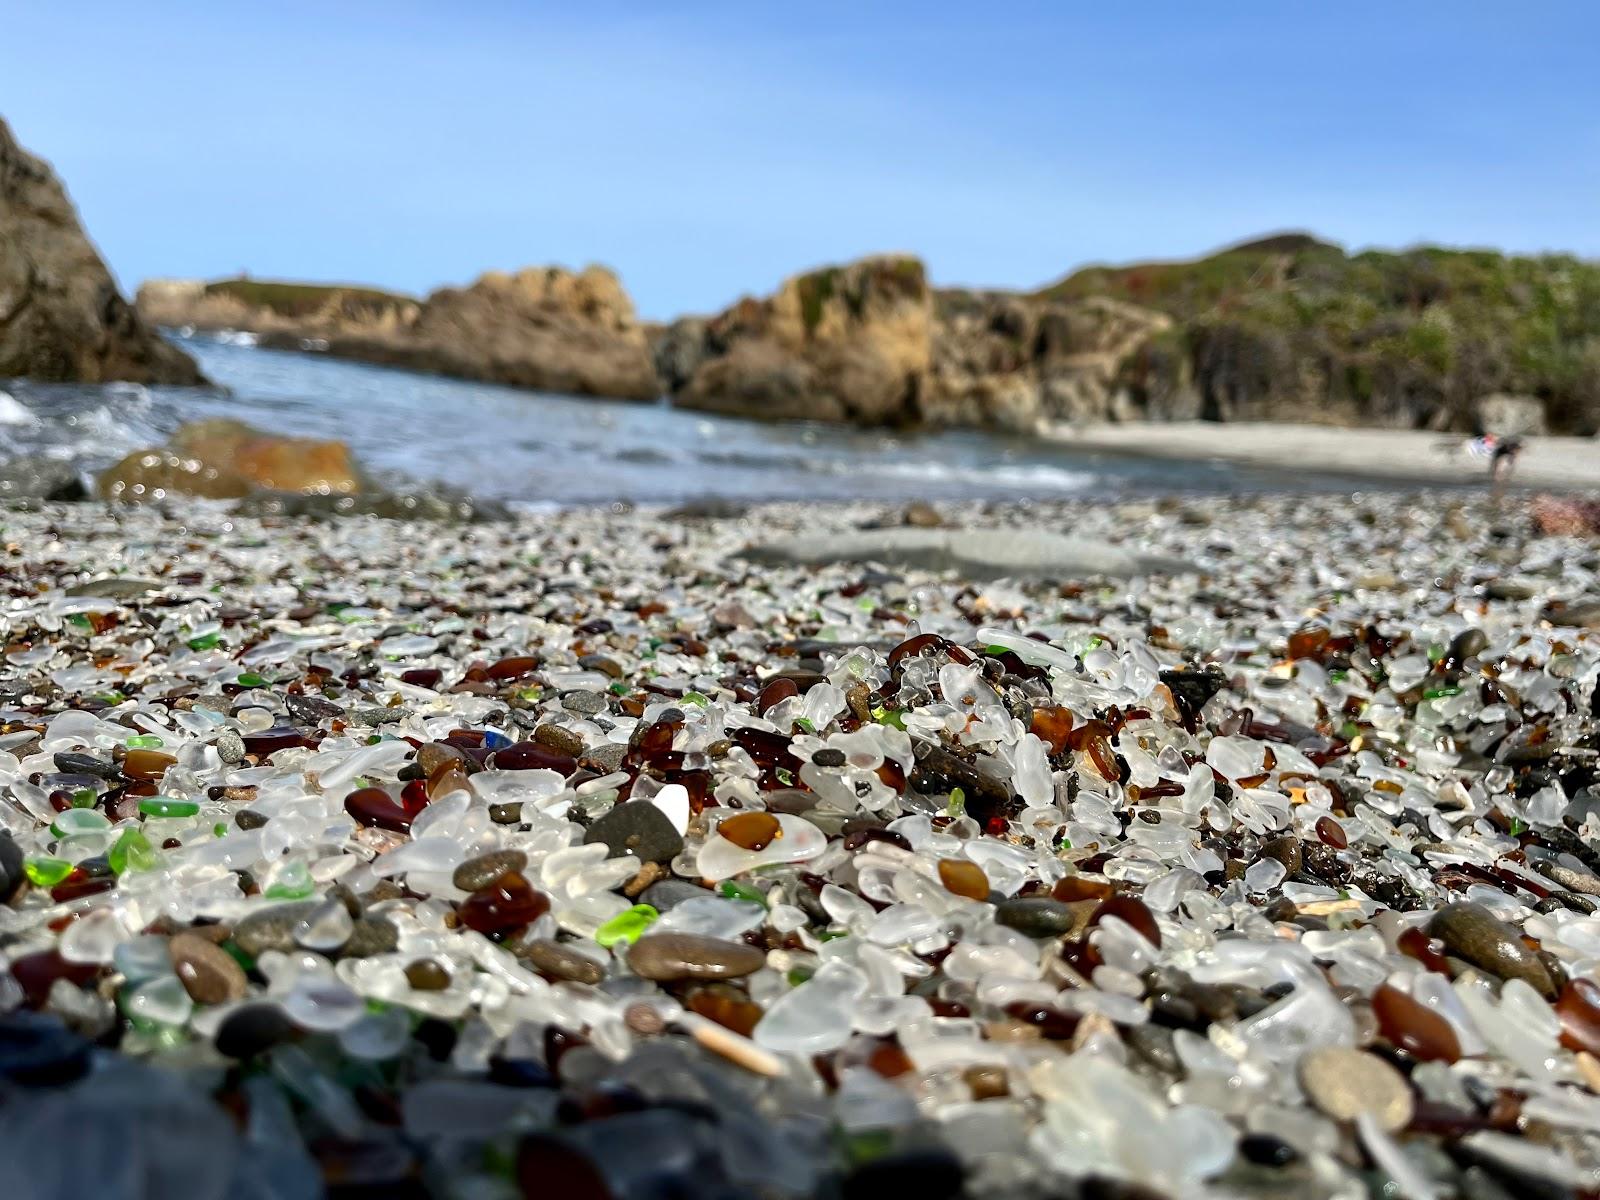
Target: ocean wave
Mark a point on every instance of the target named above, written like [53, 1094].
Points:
[1017, 476]
[13, 413]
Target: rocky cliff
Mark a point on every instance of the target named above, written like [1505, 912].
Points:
[61, 317]
[850, 343]
[544, 328]
[871, 342]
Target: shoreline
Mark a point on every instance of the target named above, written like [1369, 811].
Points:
[1382, 455]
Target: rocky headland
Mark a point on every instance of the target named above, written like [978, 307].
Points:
[61, 316]
[1286, 328]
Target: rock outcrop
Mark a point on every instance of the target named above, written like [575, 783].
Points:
[61, 316]
[850, 343]
[870, 342]
[544, 328]
[1007, 361]
[227, 460]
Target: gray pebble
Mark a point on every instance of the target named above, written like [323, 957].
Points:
[587, 703]
[371, 935]
[272, 928]
[639, 828]
[668, 893]
[230, 746]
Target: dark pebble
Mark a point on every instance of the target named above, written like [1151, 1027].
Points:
[74, 763]
[638, 828]
[252, 1029]
[829, 756]
[584, 703]
[1037, 916]
[11, 867]
[272, 928]
[1266, 1150]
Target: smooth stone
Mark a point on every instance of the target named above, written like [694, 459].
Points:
[672, 956]
[76, 763]
[369, 936]
[1345, 1083]
[230, 746]
[272, 928]
[563, 962]
[1583, 882]
[587, 704]
[426, 975]
[637, 828]
[486, 869]
[1037, 916]
[252, 1029]
[208, 973]
[667, 894]
[117, 587]
[1475, 935]
[976, 553]
[559, 739]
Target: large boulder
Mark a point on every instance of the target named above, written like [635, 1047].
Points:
[846, 343]
[61, 316]
[226, 460]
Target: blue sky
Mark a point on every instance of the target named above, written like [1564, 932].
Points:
[708, 150]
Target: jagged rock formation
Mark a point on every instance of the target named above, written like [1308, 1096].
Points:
[61, 317]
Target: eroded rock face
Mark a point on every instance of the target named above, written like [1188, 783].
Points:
[61, 316]
[870, 342]
[849, 343]
[1011, 362]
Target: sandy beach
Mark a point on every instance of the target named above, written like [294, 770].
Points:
[1390, 455]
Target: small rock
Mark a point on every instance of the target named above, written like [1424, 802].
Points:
[668, 893]
[637, 828]
[272, 928]
[230, 746]
[585, 703]
[1474, 934]
[1040, 916]
[252, 1029]
[11, 867]
[371, 935]
[561, 961]
[208, 973]
[1345, 1083]
[485, 869]
[427, 975]
[559, 739]
[674, 956]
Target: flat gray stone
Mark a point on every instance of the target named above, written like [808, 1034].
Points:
[976, 553]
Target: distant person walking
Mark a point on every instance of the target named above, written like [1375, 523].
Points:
[1501, 451]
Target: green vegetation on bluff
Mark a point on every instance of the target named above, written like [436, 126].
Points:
[1293, 328]
[303, 299]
